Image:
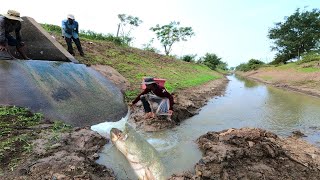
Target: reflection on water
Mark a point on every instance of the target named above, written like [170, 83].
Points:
[247, 84]
[245, 104]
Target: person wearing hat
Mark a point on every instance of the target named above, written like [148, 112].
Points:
[158, 94]
[70, 32]
[9, 22]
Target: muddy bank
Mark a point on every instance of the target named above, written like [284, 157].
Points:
[307, 83]
[251, 153]
[187, 104]
[63, 155]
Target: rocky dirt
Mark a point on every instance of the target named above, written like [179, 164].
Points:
[251, 153]
[66, 155]
[304, 82]
[187, 104]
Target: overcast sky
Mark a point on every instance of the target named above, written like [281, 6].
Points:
[235, 30]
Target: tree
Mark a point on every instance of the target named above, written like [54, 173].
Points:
[124, 21]
[211, 60]
[299, 33]
[171, 33]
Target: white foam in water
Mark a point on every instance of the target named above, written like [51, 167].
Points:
[105, 127]
[163, 144]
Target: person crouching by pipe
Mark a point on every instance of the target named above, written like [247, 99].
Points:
[158, 94]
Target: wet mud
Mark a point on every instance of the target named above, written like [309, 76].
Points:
[68, 155]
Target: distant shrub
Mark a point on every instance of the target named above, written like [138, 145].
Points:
[148, 47]
[99, 36]
[51, 28]
[189, 58]
[253, 64]
[243, 67]
[151, 49]
[311, 56]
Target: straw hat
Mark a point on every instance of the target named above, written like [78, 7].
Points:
[14, 15]
[70, 16]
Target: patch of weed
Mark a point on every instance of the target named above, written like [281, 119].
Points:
[60, 126]
[16, 133]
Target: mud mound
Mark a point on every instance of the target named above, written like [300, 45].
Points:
[249, 153]
[68, 155]
[150, 125]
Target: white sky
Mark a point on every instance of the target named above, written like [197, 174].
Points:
[235, 30]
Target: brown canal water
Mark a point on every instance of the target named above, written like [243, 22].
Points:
[245, 104]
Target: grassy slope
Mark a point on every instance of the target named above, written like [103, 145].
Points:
[134, 64]
[299, 68]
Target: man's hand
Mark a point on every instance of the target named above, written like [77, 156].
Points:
[22, 43]
[3, 48]
[170, 112]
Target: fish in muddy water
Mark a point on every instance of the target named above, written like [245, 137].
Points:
[142, 156]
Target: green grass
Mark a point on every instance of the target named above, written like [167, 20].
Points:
[286, 66]
[309, 70]
[298, 67]
[18, 127]
[15, 136]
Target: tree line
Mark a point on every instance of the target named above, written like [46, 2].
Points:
[298, 36]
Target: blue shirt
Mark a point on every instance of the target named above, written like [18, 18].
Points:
[70, 30]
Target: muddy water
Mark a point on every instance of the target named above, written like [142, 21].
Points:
[245, 104]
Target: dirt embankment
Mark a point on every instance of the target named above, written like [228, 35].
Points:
[250, 153]
[290, 79]
[187, 104]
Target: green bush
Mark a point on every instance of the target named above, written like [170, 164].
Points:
[311, 56]
[188, 58]
[52, 28]
[253, 64]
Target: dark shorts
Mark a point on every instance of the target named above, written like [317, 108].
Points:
[12, 41]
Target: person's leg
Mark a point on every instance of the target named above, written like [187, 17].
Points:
[21, 49]
[11, 42]
[147, 108]
[151, 98]
[69, 44]
[145, 103]
[78, 44]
